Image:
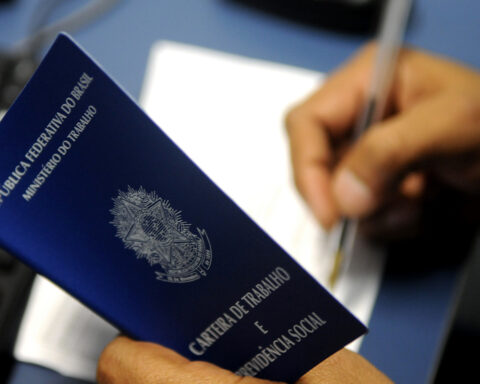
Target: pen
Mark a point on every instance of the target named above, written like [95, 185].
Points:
[392, 29]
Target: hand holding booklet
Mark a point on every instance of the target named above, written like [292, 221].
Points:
[98, 199]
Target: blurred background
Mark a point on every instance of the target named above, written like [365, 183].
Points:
[313, 34]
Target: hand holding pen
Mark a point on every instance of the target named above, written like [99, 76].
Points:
[430, 135]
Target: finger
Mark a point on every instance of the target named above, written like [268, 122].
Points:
[413, 185]
[400, 216]
[126, 361]
[443, 126]
[330, 112]
[344, 367]
[420, 75]
[311, 158]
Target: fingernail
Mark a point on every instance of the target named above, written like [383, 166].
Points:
[353, 195]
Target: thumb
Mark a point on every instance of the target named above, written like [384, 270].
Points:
[442, 127]
[125, 361]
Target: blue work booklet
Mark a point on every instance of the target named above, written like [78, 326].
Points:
[97, 198]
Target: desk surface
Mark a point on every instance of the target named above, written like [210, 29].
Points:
[412, 315]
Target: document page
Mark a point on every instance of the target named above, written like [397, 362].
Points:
[60, 333]
[226, 112]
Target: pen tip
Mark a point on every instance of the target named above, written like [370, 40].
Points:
[337, 263]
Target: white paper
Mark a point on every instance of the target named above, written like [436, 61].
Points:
[60, 333]
[226, 112]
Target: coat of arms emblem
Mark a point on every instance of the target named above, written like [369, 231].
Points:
[155, 231]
